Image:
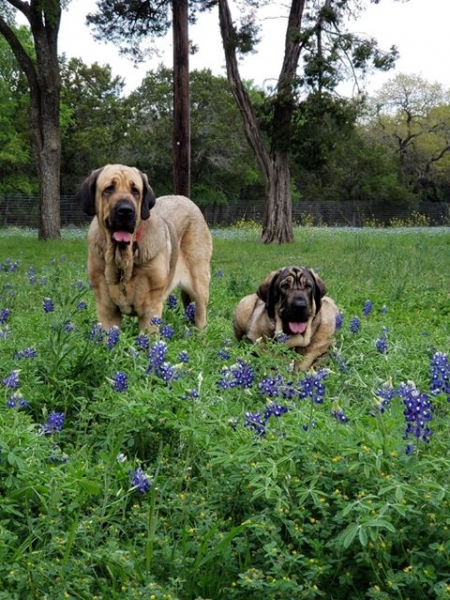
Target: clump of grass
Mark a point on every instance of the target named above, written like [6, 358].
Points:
[186, 465]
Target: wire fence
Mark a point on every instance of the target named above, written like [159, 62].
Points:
[23, 211]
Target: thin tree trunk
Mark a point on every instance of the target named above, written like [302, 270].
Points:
[181, 116]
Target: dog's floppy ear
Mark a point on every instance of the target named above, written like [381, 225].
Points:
[86, 193]
[268, 291]
[148, 199]
[319, 289]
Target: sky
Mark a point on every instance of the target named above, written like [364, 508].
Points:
[419, 29]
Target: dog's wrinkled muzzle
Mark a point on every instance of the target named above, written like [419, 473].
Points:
[123, 222]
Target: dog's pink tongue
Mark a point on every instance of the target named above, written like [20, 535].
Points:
[298, 327]
[122, 236]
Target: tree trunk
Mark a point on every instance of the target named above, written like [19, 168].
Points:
[274, 165]
[43, 77]
[277, 223]
[181, 115]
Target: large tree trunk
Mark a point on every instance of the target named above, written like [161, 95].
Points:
[277, 224]
[45, 89]
[274, 165]
[181, 115]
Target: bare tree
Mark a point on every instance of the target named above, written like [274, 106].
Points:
[43, 76]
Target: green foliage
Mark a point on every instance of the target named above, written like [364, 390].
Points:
[315, 507]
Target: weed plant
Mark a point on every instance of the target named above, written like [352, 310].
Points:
[189, 466]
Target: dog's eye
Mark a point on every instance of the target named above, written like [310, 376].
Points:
[109, 189]
[135, 191]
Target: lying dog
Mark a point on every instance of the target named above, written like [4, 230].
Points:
[141, 248]
[290, 305]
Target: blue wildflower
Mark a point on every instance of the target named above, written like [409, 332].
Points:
[157, 356]
[4, 315]
[224, 354]
[273, 409]
[256, 422]
[29, 353]
[17, 401]
[189, 312]
[112, 337]
[367, 308]
[418, 411]
[312, 386]
[47, 305]
[440, 374]
[238, 375]
[172, 301]
[140, 481]
[156, 321]
[120, 381]
[12, 380]
[339, 320]
[82, 305]
[355, 324]
[385, 394]
[381, 343]
[55, 422]
[142, 342]
[97, 334]
[167, 331]
[339, 414]
[183, 356]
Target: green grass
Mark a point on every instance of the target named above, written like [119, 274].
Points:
[314, 507]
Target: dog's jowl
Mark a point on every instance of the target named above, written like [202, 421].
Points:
[140, 248]
[290, 304]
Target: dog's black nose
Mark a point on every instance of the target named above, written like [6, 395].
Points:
[299, 303]
[124, 209]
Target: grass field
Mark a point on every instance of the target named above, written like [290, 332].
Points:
[189, 466]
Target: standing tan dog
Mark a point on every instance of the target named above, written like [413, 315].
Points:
[141, 248]
[290, 305]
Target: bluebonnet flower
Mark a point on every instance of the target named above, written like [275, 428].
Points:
[281, 337]
[30, 353]
[440, 374]
[4, 315]
[120, 381]
[43, 281]
[168, 372]
[367, 308]
[142, 342]
[224, 354]
[238, 375]
[156, 321]
[312, 386]
[140, 481]
[339, 414]
[418, 411]
[80, 284]
[276, 386]
[157, 356]
[4, 333]
[55, 422]
[192, 394]
[189, 312]
[112, 337]
[48, 305]
[339, 320]
[17, 401]
[167, 331]
[68, 326]
[384, 309]
[97, 334]
[172, 301]
[381, 343]
[219, 273]
[355, 324]
[385, 394]
[82, 305]
[256, 422]
[273, 409]
[12, 380]
[183, 356]
[339, 360]
[32, 279]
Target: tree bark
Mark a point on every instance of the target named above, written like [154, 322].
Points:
[181, 115]
[274, 163]
[43, 77]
